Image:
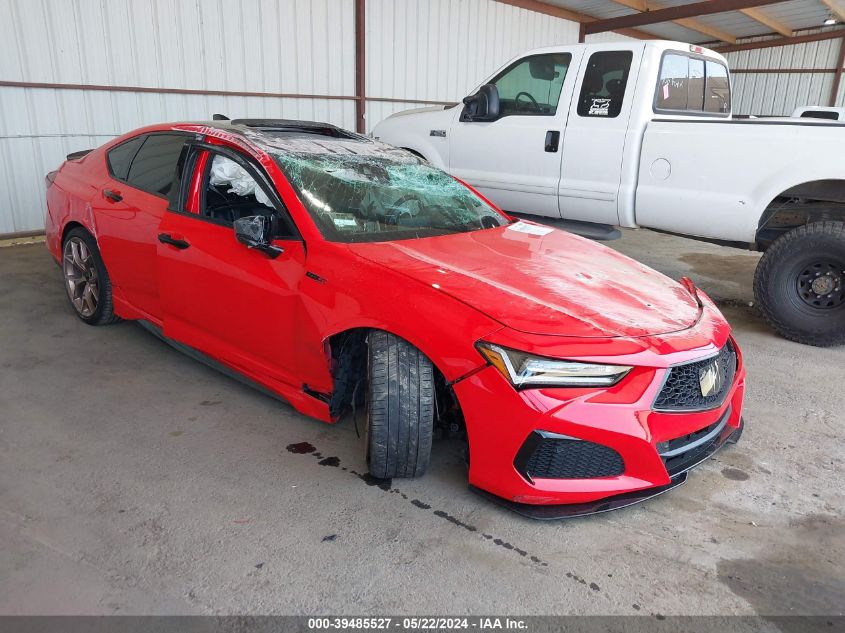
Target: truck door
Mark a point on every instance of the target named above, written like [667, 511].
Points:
[515, 160]
[593, 149]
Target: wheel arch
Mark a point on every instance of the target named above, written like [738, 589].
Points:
[803, 203]
[345, 351]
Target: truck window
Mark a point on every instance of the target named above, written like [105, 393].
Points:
[603, 88]
[531, 86]
[692, 84]
[717, 95]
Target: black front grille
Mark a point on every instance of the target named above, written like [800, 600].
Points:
[681, 453]
[543, 457]
[682, 389]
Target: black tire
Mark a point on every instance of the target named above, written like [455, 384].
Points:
[400, 412]
[785, 290]
[103, 314]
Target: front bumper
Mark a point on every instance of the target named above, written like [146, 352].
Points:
[501, 420]
[615, 502]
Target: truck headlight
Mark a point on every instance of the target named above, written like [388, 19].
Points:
[527, 370]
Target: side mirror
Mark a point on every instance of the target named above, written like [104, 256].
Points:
[256, 231]
[483, 105]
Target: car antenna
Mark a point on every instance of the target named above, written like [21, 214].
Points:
[219, 117]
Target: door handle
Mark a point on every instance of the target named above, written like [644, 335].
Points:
[552, 140]
[114, 196]
[166, 238]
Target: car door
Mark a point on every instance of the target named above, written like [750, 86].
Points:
[129, 207]
[593, 149]
[515, 160]
[233, 303]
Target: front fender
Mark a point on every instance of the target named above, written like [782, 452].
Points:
[414, 130]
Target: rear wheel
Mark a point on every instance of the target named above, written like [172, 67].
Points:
[400, 412]
[800, 284]
[87, 282]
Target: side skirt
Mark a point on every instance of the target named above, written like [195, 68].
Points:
[302, 401]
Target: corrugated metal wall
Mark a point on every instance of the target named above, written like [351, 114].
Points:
[279, 46]
[778, 94]
[417, 50]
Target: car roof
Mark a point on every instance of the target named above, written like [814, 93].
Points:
[302, 136]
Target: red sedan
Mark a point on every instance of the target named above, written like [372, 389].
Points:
[341, 273]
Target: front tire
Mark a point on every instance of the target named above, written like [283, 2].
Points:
[400, 416]
[800, 284]
[87, 282]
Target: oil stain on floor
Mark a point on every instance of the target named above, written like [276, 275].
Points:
[306, 448]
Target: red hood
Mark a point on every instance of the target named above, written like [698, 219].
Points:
[556, 283]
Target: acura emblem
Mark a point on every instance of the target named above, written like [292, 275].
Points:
[710, 379]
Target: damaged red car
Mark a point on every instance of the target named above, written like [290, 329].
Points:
[338, 272]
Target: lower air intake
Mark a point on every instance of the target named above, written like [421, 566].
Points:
[549, 457]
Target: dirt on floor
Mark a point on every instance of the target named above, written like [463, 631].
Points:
[136, 480]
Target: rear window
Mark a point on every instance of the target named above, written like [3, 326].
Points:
[820, 114]
[692, 84]
[120, 157]
[603, 88]
[154, 167]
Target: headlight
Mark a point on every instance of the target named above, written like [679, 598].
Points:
[526, 370]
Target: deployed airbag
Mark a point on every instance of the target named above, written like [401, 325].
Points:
[227, 173]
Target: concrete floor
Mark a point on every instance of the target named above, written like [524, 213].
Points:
[135, 480]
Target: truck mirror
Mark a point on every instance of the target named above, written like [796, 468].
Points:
[483, 105]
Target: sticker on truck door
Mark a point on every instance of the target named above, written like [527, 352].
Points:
[599, 107]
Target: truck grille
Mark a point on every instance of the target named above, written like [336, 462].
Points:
[545, 456]
[683, 389]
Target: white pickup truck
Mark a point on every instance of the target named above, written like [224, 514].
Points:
[640, 134]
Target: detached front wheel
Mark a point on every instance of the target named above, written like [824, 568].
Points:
[800, 284]
[400, 412]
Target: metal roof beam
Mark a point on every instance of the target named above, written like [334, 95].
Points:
[672, 13]
[768, 21]
[837, 7]
[573, 16]
[695, 25]
[782, 41]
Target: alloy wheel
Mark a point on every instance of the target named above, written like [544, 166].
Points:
[81, 278]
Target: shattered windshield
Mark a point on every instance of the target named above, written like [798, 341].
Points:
[370, 192]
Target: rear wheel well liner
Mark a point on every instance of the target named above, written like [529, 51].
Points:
[802, 204]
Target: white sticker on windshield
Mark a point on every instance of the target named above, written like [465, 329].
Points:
[531, 229]
[345, 221]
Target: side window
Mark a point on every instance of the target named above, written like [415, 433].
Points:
[691, 84]
[230, 192]
[120, 157]
[603, 88]
[154, 167]
[531, 86]
[717, 94]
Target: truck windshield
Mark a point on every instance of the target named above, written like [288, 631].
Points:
[377, 196]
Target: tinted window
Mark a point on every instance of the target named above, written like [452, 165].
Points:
[532, 85]
[820, 114]
[154, 166]
[717, 95]
[120, 157]
[603, 89]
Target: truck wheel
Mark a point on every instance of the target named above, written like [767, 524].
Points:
[800, 284]
[87, 282]
[400, 416]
